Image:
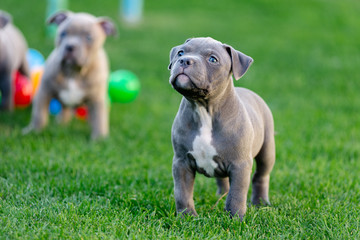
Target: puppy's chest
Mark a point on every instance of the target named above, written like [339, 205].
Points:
[72, 93]
[203, 149]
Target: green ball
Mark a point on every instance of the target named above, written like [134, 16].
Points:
[124, 86]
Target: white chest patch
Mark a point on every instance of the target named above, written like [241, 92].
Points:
[72, 94]
[203, 151]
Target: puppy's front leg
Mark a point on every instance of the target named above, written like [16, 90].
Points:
[99, 119]
[184, 178]
[239, 186]
[40, 111]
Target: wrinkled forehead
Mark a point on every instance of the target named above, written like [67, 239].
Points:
[203, 45]
[206, 47]
[80, 23]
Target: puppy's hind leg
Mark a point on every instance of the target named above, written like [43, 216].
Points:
[265, 161]
[65, 116]
[223, 185]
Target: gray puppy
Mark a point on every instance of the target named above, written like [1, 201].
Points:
[76, 71]
[13, 48]
[219, 128]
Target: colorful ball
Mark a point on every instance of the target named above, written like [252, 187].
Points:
[34, 58]
[36, 75]
[81, 113]
[124, 86]
[23, 91]
[55, 107]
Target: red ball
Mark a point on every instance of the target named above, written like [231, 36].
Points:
[23, 91]
[81, 113]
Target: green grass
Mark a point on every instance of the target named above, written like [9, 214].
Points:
[58, 184]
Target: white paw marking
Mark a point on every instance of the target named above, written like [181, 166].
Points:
[72, 94]
[203, 150]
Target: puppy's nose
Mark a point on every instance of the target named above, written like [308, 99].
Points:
[69, 48]
[185, 62]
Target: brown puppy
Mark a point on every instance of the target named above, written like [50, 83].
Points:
[76, 71]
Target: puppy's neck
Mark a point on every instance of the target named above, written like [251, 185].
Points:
[218, 100]
[72, 70]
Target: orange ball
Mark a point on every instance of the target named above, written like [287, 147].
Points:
[36, 75]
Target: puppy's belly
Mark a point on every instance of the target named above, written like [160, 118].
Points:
[203, 151]
[72, 95]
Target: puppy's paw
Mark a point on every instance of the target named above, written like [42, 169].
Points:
[27, 130]
[260, 201]
[187, 212]
[237, 215]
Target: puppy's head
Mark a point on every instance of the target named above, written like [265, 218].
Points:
[79, 36]
[201, 67]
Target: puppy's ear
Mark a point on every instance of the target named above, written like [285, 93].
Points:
[58, 18]
[188, 40]
[5, 18]
[173, 52]
[108, 26]
[240, 62]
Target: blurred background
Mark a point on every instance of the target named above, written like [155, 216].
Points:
[307, 46]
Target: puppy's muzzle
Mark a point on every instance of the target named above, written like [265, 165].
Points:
[69, 48]
[186, 62]
[182, 80]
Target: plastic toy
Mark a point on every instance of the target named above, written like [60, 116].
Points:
[55, 107]
[132, 10]
[36, 75]
[124, 86]
[23, 91]
[35, 59]
[81, 113]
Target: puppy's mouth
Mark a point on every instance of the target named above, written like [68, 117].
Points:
[72, 61]
[185, 86]
[69, 59]
[182, 81]
[73, 56]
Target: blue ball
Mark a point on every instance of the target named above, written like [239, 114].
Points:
[34, 58]
[55, 107]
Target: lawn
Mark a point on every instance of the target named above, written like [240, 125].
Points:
[60, 185]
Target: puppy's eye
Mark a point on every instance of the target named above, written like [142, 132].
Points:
[89, 38]
[180, 53]
[63, 34]
[213, 59]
